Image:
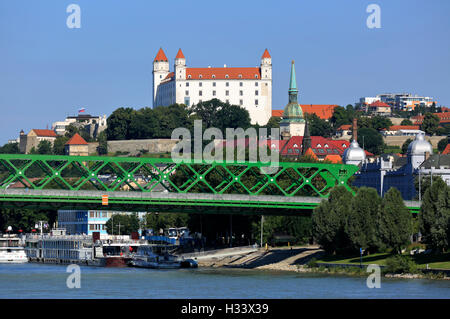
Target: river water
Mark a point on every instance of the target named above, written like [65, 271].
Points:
[49, 281]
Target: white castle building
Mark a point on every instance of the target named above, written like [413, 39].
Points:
[249, 87]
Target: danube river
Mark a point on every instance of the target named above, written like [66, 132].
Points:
[49, 281]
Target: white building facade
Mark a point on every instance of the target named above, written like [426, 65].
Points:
[249, 87]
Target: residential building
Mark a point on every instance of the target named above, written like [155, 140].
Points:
[94, 125]
[402, 130]
[400, 101]
[379, 108]
[249, 87]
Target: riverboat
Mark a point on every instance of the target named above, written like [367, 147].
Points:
[12, 250]
[158, 256]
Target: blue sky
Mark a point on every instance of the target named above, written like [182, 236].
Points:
[48, 71]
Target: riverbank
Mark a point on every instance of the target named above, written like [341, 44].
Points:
[309, 259]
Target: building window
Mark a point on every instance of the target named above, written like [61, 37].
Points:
[214, 83]
[241, 93]
[200, 84]
[256, 102]
[227, 83]
[213, 76]
[187, 84]
[200, 76]
[189, 76]
[214, 93]
[241, 83]
[256, 83]
[256, 76]
[187, 92]
[256, 92]
[200, 93]
[227, 93]
[227, 101]
[241, 102]
[240, 76]
[226, 76]
[160, 76]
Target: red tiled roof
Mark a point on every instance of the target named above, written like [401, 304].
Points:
[180, 55]
[309, 152]
[223, 73]
[169, 76]
[403, 127]
[45, 133]
[447, 149]
[76, 140]
[160, 56]
[323, 111]
[266, 55]
[344, 127]
[379, 104]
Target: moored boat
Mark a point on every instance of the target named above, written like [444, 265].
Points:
[12, 250]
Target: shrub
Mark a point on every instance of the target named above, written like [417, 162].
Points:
[312, 263]
[400, 264]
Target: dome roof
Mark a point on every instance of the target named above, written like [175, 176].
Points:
[354, 153]
[420, 146]
[293, 113]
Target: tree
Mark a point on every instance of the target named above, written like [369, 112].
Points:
[231, 116]
[122, 224]
[102, 148]
[340, 116]
[405, 145]
[317, 126]
[274, 122]
[362, 222]
[371, 139]
[379, 122]
[430, 123]
[10, 148]
[119, 124]
[330, 221]
[442, 144]
[44, 147]
[25, 219]
[406, 122]
[157, 221]
[435, 215]
[59, 145]
[395, 221]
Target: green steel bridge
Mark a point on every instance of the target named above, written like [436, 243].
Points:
[163, 185]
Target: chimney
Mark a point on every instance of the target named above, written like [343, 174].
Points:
[355, 129]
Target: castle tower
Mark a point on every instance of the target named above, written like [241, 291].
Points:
[293, 121]
[266, 65]
[180, 66]
[160, 71]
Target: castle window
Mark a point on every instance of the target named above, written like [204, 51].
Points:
[256, 92]
[214, 83]
[187, 84]
[160, 76]
[241, 102]
[256, 76]
[200, 93]
[256, 102]
[187, 92]
[200, 76]
[240, 76]
[189, 76]
[241, 83]
[226, 76]
[227, 83]
[227, 93]
[214, 93]
[213, 76]
[227, 101]
[256, 83]
[241, 93]
[200, 84]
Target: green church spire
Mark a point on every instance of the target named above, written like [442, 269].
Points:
[293, 85]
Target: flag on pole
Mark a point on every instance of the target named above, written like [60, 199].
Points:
[81, 110]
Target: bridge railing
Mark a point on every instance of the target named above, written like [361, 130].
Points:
[102, 173]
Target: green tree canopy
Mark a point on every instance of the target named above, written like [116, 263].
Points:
[430, 123]
[405, 145]
[406, 122]
[435, 216]
[395, 221]
[442, 144]
[371, 139]
[119, 124]
[59, 145]
[10, 148]
[379, 122]
[317, 126]
[44, 147]
[122, 224]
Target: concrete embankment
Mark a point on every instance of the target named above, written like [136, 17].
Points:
[286, 258]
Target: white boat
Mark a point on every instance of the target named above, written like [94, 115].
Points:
[12, 250]
[158, 257]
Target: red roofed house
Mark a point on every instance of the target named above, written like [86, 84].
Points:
[249, 87]
[379, 108]
[323, 111]
[403, 130]
[33, 138]
[447, 149]
[444, 118]
[76, 146]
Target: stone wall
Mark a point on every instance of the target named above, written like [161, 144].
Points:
[93, 148]
[399, 140]
[134, 146]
